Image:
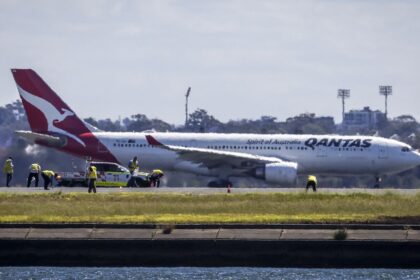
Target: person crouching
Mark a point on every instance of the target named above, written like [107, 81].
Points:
[154, 178]
[311, 182]
[48, 176]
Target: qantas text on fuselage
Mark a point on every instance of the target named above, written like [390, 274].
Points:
[276, 159]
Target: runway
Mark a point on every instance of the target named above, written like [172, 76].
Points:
[205, 190]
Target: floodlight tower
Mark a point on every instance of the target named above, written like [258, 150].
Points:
[186, 105]
[385, 91]
[343, 94]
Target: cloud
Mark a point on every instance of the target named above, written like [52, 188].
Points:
[259, 57]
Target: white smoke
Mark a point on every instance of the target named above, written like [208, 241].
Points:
[34, 150]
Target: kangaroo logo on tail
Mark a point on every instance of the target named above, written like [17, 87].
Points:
[51, 113]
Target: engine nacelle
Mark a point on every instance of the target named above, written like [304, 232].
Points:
[280, 173]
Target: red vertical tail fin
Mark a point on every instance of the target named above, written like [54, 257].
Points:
[46, 112]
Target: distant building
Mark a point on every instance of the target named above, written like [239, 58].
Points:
[365, 119]
[18, 114]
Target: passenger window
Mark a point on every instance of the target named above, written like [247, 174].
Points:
[113, 168]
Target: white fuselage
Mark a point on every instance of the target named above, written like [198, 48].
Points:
[318, 154]
[274, 158]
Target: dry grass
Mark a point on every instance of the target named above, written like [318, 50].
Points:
[169, 208]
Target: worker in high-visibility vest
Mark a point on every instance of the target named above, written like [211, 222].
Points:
[48, 176]
[133, 165]
[8, 170]
[92, 176]
[154, 177]
[34, 170]
[311, 182]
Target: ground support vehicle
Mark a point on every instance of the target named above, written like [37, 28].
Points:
[109, 175]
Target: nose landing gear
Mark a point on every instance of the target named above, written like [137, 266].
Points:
[377, 182]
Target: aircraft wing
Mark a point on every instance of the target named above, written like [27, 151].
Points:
[211, 158]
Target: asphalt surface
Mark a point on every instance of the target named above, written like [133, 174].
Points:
[205, 190]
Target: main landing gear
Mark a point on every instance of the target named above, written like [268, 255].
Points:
[221, 183]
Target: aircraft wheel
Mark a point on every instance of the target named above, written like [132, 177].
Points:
[377, 182]
[219, 184]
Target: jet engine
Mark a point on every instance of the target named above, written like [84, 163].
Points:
[284, 173]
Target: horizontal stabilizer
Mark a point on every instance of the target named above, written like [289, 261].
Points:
[43, 139]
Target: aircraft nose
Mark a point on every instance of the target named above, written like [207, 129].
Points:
[417, 156]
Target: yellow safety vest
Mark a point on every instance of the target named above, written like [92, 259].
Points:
[92, 174]
[48, 173]
[157, 171]
[312, 178]
[133, 165]
[35, 168]
[8, 166]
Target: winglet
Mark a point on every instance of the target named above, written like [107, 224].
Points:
[152, 141]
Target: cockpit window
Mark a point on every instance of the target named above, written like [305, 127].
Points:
[405, 149]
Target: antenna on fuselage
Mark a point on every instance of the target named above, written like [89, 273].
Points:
[186, 105]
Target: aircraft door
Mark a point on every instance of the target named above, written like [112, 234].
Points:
[383, 151]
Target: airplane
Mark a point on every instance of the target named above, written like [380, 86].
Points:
[276, 159]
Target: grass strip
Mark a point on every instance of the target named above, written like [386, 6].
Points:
[173, 208]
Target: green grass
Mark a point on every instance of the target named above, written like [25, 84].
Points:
[206, 208]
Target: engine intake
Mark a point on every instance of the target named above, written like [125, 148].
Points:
[279, 172]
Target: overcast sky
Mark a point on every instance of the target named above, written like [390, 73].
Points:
[243, 59]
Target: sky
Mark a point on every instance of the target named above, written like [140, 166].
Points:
[242, 59]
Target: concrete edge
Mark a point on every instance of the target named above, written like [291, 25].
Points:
[212, 226]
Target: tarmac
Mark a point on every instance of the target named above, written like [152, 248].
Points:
[205, 190]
